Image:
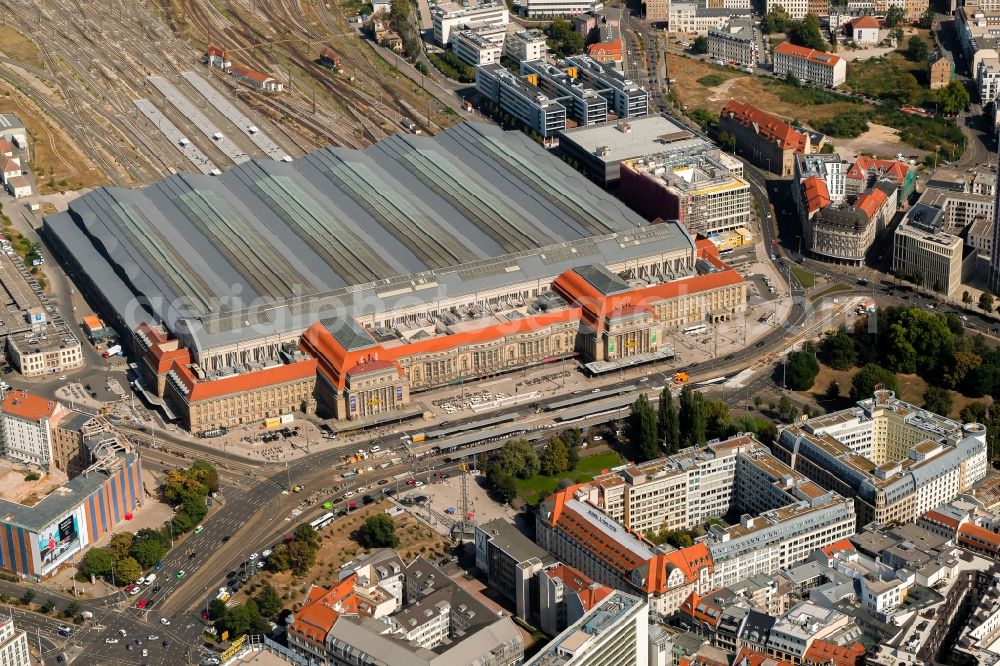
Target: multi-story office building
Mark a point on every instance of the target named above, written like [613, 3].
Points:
[452, 16]
[510, 562]
[13, 645]
[615, 631]
[995, 256]
[564, 596]
[694, 18]
[978, 32]
[475, 48]
[547, 9]
[809, 65]
[828, 167]
[927, 255]
[895, 460]
[526, 45]
[796, 516]
[765, 140]
[26, 423]
[626, 98]
[44, 350]
[583, 104]
[737, 41]
[700, 191]
[521, 99]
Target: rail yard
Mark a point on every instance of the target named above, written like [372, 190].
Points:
[126, 81]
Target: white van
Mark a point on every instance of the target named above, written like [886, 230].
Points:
[150, 578]
[141, 581]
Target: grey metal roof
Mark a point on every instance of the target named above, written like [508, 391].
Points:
[351, 335]
[56, 504]
[512, 542]
[269, 245]
[603, 280]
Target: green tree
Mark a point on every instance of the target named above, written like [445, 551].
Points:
[48, 606]
[98, 562]
[216, 609]
[668, 425]
[792, 80]
[504, 485]
[937, 400]
[121, 544]
[554, 458]
[801, 369]
[148, 547]
[692, 417]
[268, 601]
[563, 39]
[204, 473]
[895, 16]
[278, 560]
[727, 141]
[642, 429]
[179, 487]
[953, 97]
[518, 457]
[966, 297]
[986, 302]
[927, 18]
[866, 379]
[963, 362]
[679, 539]
[776, 20]
[379, 531]
[838, 351]
[807, 33]
[916, 49]
[787, 409]
[127, 571]
[833, 390]
[908, 91]
[306, 534]
[700, 45]
[27, 597]
[302, 556]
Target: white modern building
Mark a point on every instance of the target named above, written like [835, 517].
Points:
[809, 65]
[520, 98]
[475, 48]
[526, 45]
[13, 645]
[988, 80]
[693, 18]
[543, 9]
[613, 633]
[926, 254]
[449, 16]
[626, 98]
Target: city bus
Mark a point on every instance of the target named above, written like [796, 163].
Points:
[695, 330]
[323, 521]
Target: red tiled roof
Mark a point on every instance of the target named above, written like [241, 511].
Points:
[838, 546]
[812, 55]
[249, 381]
[941, 519]
[214, 50]
[770, 127]
[606, 49]
[892, 169]
[870, 202]
[6, 146]
[329, 54]
[748, 657]
[322, 607]
[29, 406]
[980, 534]
[830, 654]
[590, 593]
[9, 166]
[248, 73]
[816, 193]
[373, 366]
[866, 22]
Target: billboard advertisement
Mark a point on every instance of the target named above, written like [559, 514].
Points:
[60, 540]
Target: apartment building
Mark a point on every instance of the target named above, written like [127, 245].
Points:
[895, 460]
[581, 525]
[521, 99]
[980, 236]
[927, 255]
[797, 9]
[616, 631]
[828, 167]
[765, 140]
[962, 195]
[526, 45]
[564, 596]
[809, 65]
[694, 18]
[867, 171]
[736, 41]
[626, 98]
[583, 104]
[475, 48]
[844, 234]
[25, 425]
[940, 70]
[449, 17]
[978, 33]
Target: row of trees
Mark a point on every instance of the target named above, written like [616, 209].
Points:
[250, 617]
[186, 490]
[517, 460]
[126, 556]
[665, 429]
[805, 32]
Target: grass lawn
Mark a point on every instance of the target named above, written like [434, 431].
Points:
[537, 487]
[832, 289]
[807, 279]
[880, 77]
[712, 80]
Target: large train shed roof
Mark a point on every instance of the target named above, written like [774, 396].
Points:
[221, 249]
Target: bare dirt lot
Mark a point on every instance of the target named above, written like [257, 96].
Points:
[18, 46]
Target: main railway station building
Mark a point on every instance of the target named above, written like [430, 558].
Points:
[346, 281]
